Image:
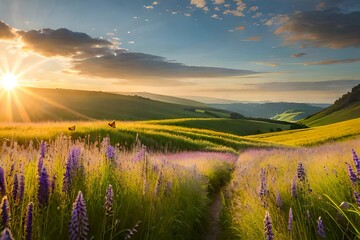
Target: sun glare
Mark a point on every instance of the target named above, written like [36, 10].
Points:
[9, 81]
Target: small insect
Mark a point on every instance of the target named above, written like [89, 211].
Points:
[72, 128]
[112, 124]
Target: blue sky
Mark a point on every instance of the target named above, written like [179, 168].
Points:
[159, 46]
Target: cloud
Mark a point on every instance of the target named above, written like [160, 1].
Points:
[278, 19]
[331, 62]
[298, 55]
[216, 16]
[328, 29]
[149, 7]
[258, 14]
[219, 1]
[198, 3]
[240, 28]
[252, 39]
[63, 42]
[269, 64]
[239, 11]
[135, 66]
[6, 31]
[331, 85]
[253, 8]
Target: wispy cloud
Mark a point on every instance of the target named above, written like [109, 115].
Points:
[298, 55]
[331, 62]
[252, 39]
[216, 16]
[269, 64]
[6, 32]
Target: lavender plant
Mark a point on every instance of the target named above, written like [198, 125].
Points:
[79, 227]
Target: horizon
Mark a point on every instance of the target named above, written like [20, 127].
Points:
[237, 50]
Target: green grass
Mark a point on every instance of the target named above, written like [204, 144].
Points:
[239, 127]
[290, 115]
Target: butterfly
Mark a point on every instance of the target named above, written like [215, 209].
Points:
[112, 124]
[72, 128]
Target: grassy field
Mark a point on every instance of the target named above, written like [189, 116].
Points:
[312, 136]
[273, 181]
[292, 115]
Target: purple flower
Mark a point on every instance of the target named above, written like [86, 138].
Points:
[301, 172]
[79, 226]
[140, 155]
[352, 175]
[22, 187]
[6, 234]
[268, 231]
[294, 189]
[110, 153]
[2, 182]
[158, 184]
[290, 222]
[279, 201]
[109, 201]
[43, 191]
[29, 221]
[321, 228]
[263, 183]
[40, 164]
[15, 187]
[357, 198]
[42, 149]
[356, 161]
[72, 165]
[5, 212]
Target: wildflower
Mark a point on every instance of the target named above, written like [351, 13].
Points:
[40, 164]
[79, 226]
[15, 187]
[22, 187]
[356, 161]
[294, 189]
[357, 198]
[263, 183]
[346, 205]
[6, 234]
[290, 222]
[5, 212]
[352, 175]
[67, 178]
[29, 221]
[2, 182]
[110, 153]
[321, 228]
[43, 191]
[269, 235]
[279, 201]
[140, 155]
[72, 165]
[109, 201]
[42, 149]
[158, 184]
[301, 172]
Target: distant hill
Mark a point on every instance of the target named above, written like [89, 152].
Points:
[294, 115]
[269, 110]
[345, 108]
[36, 104]
[168, 99]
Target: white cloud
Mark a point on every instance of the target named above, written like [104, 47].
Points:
[216, 17]
[149, 7]
[219, 1]
[198, 3]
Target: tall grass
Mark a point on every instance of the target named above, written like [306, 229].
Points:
[313, 182]
[155, 196]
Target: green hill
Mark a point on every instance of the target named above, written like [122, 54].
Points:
[294, 115]
[345, 108]
[36, 104]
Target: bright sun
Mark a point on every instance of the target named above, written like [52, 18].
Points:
[9, 81]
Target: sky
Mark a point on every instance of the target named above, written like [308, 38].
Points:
[245, 50]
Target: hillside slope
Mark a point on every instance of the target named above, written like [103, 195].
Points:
[345, 108]
[293, 115]
[35, 104]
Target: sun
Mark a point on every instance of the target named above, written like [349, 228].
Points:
[9, 81]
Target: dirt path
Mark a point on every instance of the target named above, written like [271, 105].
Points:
[214, 228]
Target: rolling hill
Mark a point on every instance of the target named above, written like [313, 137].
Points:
[268, 110]
[36, 104]
[294, 115]
[345, 108]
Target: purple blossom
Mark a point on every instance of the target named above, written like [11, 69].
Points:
[22, 187]
[140, 155]
[301, 172]
[67, 178]
[109, 201]
[110, 153]
[352, 175]
[2, 182]
[268, 231]
[294, 189]
[263, 183]
[79, 226]
[321, 228]
[40, 164]
[6, 234]
[290, 222]
[15, 187]
[42, 149]
[43, 191]
[357, 198]
[279, 201]
[29, 221]
[5, 212]
[356, 161]
[72, 165]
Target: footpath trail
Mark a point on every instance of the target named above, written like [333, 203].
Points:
[214, 228]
